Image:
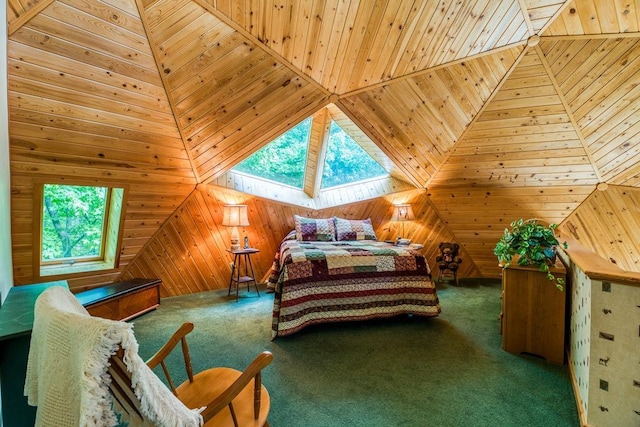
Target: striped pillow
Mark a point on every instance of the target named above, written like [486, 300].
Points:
[315, 229]
[350, 229]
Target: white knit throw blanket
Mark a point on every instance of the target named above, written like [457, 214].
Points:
[67, 368]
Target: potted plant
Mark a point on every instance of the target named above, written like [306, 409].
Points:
[533, 243]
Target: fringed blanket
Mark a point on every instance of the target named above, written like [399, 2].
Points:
[317, 282]
[67, 368]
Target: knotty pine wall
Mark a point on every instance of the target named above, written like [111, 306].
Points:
[608, 223]
[148, 205]
[189, 251]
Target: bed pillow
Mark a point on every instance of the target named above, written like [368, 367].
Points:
[352, 229]
[315, 229]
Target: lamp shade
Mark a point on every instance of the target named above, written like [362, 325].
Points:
[235, 216]
[402, 212]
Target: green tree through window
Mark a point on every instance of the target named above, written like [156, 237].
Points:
[73, 221]
[346, 162]
[282, 160]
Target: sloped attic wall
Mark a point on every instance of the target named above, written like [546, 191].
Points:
[189, 252]
[464, 97]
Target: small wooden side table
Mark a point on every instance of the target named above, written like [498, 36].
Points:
[241, 256]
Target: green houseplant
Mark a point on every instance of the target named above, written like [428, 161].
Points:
[533, 243]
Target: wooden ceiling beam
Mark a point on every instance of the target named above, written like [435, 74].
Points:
[567, 108]
[479, 113]
[430, 70]
[156, 56]
[22, 19]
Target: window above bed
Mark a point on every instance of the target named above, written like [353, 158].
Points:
[346, 162]
[325, 160]
[283, 160]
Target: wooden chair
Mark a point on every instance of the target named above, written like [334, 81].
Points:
[230, 397]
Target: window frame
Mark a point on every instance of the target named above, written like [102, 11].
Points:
[113, 225]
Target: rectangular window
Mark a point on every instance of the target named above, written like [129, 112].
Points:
[80, 228]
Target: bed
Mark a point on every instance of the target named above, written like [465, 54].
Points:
[325, 277]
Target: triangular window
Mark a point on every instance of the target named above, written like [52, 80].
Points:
[283, 159]
[346, 162]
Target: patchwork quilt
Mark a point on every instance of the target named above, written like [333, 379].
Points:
[317, 282]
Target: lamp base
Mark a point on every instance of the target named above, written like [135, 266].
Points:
[235, 239]
[235, 244]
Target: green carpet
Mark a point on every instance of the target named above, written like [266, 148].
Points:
[404, 371]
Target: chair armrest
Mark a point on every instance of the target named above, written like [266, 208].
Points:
[168, 347]
[252, 371]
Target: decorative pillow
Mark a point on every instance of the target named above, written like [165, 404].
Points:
[350, 229]
[318, 229]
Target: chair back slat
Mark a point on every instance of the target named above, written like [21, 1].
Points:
[121, 388]
[178, 337]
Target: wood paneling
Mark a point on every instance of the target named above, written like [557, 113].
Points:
[347, 45]
[230, 97]
[86, 110]
[478, 215]
[596, 17]
[540, 12]
[189, 252]
[523, 138]
[608, 223]
[601, 81]
[178, 96]
[418, 120]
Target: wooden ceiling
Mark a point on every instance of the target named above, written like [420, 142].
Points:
[502, 109]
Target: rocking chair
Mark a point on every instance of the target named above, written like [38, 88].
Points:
[81, 368]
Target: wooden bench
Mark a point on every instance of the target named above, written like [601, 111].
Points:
[122, 300]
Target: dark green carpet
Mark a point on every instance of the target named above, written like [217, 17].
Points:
[405, 371]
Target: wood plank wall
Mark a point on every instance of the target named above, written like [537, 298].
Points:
[161, 102]
[89, 111]
[418, 120]
[230, 97]
[189, 252]
[479, 215]
[604, 99]
[608, 223]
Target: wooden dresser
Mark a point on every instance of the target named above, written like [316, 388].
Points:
[533, 312]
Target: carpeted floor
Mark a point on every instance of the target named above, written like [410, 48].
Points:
[405, 371]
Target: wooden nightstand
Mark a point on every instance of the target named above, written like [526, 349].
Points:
[241, 256]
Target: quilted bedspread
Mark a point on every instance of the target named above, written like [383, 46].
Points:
[318, 282]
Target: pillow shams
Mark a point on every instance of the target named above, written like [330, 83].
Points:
[318, 229]
[350, 229]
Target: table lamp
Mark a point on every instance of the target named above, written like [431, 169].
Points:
[402, 213]
[235, 216]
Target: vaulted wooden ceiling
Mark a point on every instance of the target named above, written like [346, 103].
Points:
[501, 108]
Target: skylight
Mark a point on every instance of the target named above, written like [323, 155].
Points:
[283, 159]
[346, 162]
